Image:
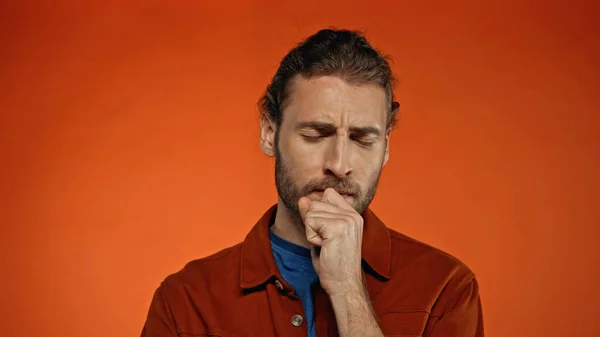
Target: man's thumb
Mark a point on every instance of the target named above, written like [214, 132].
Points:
[303, 204]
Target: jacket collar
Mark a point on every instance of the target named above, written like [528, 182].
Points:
[258, 264]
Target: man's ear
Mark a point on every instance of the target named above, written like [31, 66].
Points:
[386, 156]
[267, 135]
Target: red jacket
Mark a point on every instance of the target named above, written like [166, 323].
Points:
[416, 290]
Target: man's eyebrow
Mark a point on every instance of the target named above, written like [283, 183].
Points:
[330, 128]
[365, 130]
[315, 125]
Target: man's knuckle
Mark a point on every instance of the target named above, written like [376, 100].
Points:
[348, 218]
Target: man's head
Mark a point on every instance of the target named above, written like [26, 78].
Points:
[326, 118]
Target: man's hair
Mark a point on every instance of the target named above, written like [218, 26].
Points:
[342, 53]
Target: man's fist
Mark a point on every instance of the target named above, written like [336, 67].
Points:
[335, 230]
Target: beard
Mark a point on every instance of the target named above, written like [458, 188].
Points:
[289, 192]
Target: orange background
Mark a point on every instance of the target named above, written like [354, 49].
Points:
[129, 146]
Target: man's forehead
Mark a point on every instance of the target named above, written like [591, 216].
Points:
[333, 100]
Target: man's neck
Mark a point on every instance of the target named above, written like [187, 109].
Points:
[287, 228]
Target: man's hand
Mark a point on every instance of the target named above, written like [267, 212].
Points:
[335, 230]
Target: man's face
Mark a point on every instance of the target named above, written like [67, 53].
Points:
[333, 134]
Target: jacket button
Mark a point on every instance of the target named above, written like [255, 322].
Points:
[278, 285]
[297, 320]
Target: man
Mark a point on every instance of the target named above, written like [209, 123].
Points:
[319, 262]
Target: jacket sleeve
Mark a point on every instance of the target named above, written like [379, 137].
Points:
[160, 321]
[465, 319]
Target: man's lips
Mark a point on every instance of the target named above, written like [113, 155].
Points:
[342, 193]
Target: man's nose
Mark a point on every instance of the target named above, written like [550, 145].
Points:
[338, 158]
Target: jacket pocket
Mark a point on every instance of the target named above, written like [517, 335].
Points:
[403, 323]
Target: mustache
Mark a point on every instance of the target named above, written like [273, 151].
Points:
[343, 186]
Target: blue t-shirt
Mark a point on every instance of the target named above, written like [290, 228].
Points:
[295, 264]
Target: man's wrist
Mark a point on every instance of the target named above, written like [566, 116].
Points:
[354, 312]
